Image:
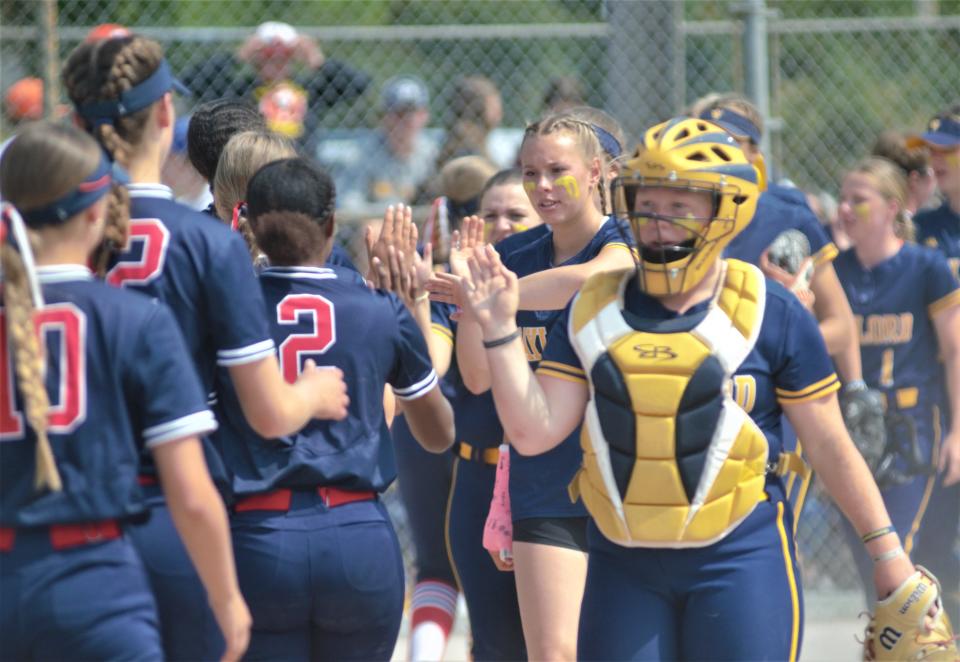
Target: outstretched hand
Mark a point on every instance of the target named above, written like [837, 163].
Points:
[491, 293]
[463, 244]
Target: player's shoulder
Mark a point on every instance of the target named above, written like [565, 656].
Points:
[510, 244]
[120, 306]
[930, 220]
[156, 200]
[614, 230]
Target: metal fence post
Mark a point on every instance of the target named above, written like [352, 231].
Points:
[640, 83]
[50, 45]
[756, 60]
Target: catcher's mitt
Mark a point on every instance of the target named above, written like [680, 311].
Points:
[862, 411]
[897, 629]
[902, 461]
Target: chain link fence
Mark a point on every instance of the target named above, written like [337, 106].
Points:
[840, 72]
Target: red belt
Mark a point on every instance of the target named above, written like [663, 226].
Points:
[280, 499]
[65, 536]
[147, 481]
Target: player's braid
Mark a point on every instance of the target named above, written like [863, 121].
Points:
[28, 362]
[247, 233]
[104, 70]
[903, 226]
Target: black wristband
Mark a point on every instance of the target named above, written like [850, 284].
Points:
[510, 337]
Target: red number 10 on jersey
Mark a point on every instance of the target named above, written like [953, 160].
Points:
[68, 406]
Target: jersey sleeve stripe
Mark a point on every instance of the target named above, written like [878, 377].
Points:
[419, 389]
[562, 367]
[558, 374]
[941, 304]
[442, 331]
[199, 423]
[826, 254]
[618, 244]
[819, 389]
[248, 354]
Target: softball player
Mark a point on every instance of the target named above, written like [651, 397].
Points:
[691, 553]
[940, 229]
[907, 303]
[781, 209]
[121, 91]
[562, 164]
[109, 379]
[318, 559]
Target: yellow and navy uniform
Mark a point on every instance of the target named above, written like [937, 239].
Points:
[940, 229]
[640, 598]
[779, 209]
[894, 304]
[538, 483]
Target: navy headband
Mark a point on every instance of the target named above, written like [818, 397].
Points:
[609, 144]
[85, 194]
[733, 123]
[136, 98]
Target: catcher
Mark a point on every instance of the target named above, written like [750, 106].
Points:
[679, 370]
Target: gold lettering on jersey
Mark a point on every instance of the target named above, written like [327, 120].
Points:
[534, 340]
[745, 391]
[886, 329]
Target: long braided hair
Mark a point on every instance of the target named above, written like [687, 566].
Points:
[45, 162]
[102, 71]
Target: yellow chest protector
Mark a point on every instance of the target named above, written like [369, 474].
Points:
[670, 459]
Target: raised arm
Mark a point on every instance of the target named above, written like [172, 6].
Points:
[552, 289]
[537, 413]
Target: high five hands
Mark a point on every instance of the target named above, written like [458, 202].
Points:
[394, 263]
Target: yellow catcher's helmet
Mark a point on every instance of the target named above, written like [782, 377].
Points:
[694, 155]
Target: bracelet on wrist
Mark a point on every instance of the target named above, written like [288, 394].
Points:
[877, 533]
[421, 297]
[510, 337]
[889, 555]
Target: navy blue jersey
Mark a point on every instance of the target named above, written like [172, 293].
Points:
[940, 229]
[788, 363]
[330, 316]
[537, 256]
[514, 241]
[340, 258]
[893, 304]
[538, 484]
[119, 380]
[474, 415]
[780, 209]
[202, 270]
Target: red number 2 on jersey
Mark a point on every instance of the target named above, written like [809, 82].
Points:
[153, 237]
[292, 309]
[68, 406]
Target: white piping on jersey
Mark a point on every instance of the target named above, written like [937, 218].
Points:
[419, 389]
[150, 191]
[199, 423]
[248, 354]
[315, 273]
[63, 273]
[594, 340]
